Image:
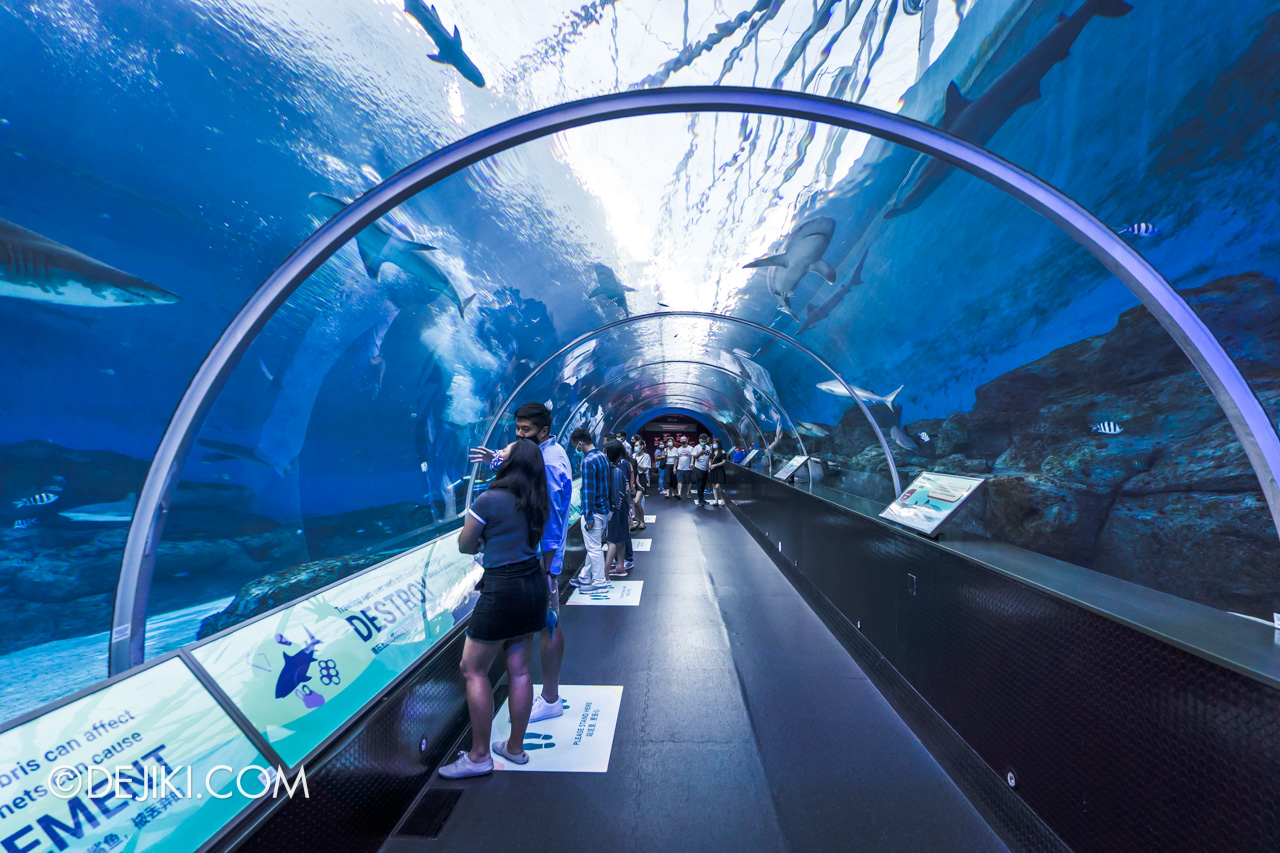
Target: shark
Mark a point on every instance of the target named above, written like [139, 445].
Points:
[36, 268]
[802, 254]
[814, 430]
[978, 120]
[610, 289]
[294, 671]
[119, 512]
[449, 47]
[820, 311]
[835, 386]
[379, 246]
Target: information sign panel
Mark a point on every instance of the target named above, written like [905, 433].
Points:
[790, 468]
[299, 674]
[930, 500]
[749, 458]
[177, 756]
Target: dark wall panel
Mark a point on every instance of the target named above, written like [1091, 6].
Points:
[1118, 741]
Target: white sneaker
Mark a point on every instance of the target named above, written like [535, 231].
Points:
[465, 767]
[500, 747]
[544, 710]
[597, 587]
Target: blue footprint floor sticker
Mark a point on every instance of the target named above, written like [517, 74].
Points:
[533, 740]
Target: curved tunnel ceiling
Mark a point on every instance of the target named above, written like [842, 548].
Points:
[804, 249]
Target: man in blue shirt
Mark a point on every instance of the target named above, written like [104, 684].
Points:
[596, 476]
[533, 423]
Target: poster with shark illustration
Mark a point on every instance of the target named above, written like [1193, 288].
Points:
[301, 672]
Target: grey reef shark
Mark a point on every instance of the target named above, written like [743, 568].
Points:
[34, 267]
[802, 254]
[610, 289]
[978, 120]
[379, 246]
[822, 310]
[118, 512]
[449, 47]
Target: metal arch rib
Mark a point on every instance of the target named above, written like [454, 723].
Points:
[639, 404]
[686, 402]
[1233, 394]
[787, 339]
[745, 380]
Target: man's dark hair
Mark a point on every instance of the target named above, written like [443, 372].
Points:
[704, 437]
[539, 414]
[581, 435]
[613, 450]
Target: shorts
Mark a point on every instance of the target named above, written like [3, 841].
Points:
[513, 602]
[684, 477]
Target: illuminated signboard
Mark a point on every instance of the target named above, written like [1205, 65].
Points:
[930, 500]
[790, 468]
[177, 755]
[302, 672]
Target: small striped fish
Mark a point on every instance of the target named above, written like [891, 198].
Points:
[1139, 229]
[1107, 428]
[37, 500]
[24, 523]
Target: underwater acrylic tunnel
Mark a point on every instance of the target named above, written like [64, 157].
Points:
[705, 318]
[1242, 408]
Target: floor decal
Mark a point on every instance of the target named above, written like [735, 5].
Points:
[650, 519]
[641, 544]
[579, 741]
[619, 593]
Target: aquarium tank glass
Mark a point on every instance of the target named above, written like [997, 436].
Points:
[803, 288]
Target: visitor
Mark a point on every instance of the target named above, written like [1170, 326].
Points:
[506, 522]
[701, 462]
[533, 423]
[715, 473]
[618, 534]
[660, 462]
[684, 467]
[673, 480]
[643, 463]
[596, 486]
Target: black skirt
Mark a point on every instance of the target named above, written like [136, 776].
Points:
[716, 477]
[513, 602]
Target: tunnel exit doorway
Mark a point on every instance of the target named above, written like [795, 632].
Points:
[674, 426]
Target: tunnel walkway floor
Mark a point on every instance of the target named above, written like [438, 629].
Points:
[743, 725]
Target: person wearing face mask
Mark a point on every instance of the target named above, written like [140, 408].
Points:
[533, 423]
[715, 473]
[701, 464]
[684, 468]
[673, 480]
[660, 463]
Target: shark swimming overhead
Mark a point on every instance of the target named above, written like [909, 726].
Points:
[802, 254]
[610, 289]
[379, 246]
[449, 46]
[978, 120]
[34, 267]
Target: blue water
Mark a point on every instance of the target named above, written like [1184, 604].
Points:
[179, 140]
